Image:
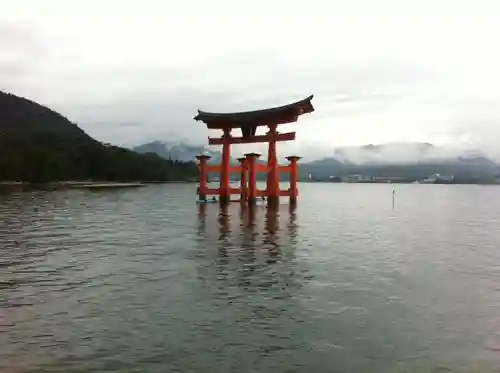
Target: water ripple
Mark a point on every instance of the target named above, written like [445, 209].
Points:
[143, 281]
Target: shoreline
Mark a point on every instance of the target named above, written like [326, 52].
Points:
[22, 186]
[397, 182]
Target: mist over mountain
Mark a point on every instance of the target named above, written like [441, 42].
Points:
[176, 151]
[403, 153]
[383, 154]
[404, 160]
[179, 151]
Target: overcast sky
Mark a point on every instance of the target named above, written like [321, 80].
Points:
[381, 71]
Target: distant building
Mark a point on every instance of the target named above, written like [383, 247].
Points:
[436, 178]
[356, 178]
[389, 178]
[335, 179]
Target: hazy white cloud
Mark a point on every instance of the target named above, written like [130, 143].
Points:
[381, 71]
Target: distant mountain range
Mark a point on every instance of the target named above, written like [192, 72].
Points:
[412, 160]
[177, 151]
[402, 153]
[180, 152]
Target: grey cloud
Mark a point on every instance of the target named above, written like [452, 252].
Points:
[401, 153]
[372, 82]
[21, 41]
[20, 52]
[162, 105]
[478, 124]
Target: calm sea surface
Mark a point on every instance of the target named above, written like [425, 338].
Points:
[142, 280]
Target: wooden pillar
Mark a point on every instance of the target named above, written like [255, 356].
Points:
[252, 177]
[203, 175]
[226, 163]
[294, 174]
[243, 179]
[272, 163]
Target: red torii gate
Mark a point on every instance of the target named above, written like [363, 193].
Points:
[248, 122]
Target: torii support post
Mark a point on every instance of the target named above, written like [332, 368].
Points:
[224, 192]
[248, 122]
[273, 187]
[252, 177]
[294, 191]
[203, 175]
[243, 179]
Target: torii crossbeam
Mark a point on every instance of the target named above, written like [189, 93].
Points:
[248, 122]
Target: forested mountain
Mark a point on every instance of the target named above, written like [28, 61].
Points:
[39, 145]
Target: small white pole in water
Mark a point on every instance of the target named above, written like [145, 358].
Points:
[393, 196]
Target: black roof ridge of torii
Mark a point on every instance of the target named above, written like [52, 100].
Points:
[241, 116]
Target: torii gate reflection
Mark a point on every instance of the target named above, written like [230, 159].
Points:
[246, 233]
[247, 265]
[248, 219]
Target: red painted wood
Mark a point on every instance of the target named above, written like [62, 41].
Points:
[226, 162]
[272, 163]
[284, 169]
[243, 178]
[286, 193]
[287, 136]
[203, 176]
[218, 168]
[235, 169]
[261, 193]
[293, 176]
[261, 168]
[252, 176]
